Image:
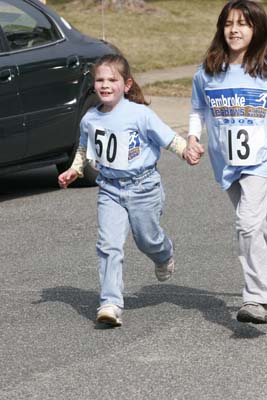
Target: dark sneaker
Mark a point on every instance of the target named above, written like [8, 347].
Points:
[164, 271]
[252, 312]
[109, 314]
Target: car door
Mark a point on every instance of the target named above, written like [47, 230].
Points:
[49, 79]
[12, 122]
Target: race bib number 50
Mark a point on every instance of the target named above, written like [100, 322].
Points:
[110, 149]
[242, 145]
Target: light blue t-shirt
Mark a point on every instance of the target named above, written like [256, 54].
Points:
[141, 130]
[232, 102]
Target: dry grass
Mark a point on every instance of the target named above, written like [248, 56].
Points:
[165, 34]
[176, 88]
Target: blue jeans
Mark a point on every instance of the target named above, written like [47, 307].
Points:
[125, 203]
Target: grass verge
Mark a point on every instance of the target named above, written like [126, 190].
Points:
[177, 88]
[167, 33]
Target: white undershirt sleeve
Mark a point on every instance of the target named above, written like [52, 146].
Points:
[196, 123]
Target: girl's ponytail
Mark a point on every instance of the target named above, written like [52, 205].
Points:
[135, 94]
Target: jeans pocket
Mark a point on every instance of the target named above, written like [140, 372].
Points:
[100, 181]
[149, 184]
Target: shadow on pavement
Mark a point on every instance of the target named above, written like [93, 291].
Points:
[210, 304]
[32, 182]
[28, 183]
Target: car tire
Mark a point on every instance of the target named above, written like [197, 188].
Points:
[90, 173]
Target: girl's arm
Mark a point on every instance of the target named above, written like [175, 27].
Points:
[196, 122]
[76, 169]
[177, 145]
[79, 161]
[194, 150]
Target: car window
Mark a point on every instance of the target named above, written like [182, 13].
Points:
[25, 26]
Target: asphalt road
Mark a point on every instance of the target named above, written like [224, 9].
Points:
[180, 339]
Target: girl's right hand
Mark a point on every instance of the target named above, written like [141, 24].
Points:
[194, 151]
[67, 177]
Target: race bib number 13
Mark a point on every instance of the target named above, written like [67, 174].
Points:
[110, 149]
[242, 145]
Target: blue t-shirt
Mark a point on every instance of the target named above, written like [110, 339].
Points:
[232, 102]
[144, 130]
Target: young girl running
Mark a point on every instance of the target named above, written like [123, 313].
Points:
[230, 95]
[124, 137]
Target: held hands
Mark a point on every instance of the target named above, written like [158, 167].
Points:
[193, 151]
[67, 177]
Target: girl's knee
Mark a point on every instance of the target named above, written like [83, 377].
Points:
[247, 226]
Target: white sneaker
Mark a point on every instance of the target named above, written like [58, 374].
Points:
[109, 314]
[164, 271]
[252, 312]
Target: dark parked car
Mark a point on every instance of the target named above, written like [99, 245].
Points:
[45, 86]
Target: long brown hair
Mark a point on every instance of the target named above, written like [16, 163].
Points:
[121, 64]
[254, 62]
